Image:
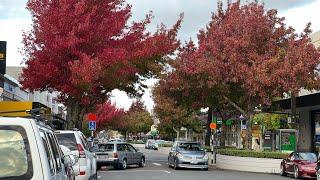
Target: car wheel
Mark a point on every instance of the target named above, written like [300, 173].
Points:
[296, 172]
[318, 175]
[124, 164]
[175, 165]
[142, 162]
[98, 167]
[282, 170]
[94, 177]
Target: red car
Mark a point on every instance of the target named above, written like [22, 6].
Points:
[299, 164]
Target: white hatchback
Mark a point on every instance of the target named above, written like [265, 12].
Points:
[86, 167]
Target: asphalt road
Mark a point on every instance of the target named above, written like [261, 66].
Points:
[157, 168]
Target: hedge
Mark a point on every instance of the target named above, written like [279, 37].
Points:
[165, 145]
[255, 154]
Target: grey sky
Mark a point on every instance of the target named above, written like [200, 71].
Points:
[197, 12]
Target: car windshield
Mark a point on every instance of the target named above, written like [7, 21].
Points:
[307, 157]
[15, 157]
[189, 147]
[68, 140]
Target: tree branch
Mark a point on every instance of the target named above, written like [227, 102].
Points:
[235, 106]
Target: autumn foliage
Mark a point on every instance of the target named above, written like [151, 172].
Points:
[85, 48]
[245, 57]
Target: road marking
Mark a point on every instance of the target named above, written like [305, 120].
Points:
[135, 171]
[99, 177]
[156, 164]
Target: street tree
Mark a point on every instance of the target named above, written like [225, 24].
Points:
[172, 116]
[136, 120]
[245, 57]
[85, 48]
[106, 113]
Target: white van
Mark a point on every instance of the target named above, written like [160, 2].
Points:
[29, 151]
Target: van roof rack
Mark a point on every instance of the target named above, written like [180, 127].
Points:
[34, 113]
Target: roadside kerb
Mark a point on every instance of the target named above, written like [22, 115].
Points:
[247, 164]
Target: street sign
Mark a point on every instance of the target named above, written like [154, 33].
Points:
[244, 126]
[213, 126]
[219, 121]
[92, 125]
[92, 117]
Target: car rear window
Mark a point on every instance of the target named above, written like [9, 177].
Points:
[106, 147]
[15, 154]
[68, 140]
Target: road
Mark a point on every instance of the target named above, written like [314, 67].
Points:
[157, 168]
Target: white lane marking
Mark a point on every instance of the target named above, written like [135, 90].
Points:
[99, 177]
[156, 164]
[135, 171]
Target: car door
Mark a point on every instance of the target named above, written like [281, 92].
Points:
[290, 162]
[49, 155]
[59, 166]
[129, 154]
[136, 156]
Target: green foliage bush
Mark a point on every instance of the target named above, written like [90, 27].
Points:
[165, 145]
[255, 154]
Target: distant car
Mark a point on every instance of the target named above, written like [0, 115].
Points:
[185, 154]
[151, 144]
[299, 164]
[76, 141]
[116, 140]
[29, 150]
[119, 155]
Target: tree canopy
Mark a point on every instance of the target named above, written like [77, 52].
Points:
[84, 49]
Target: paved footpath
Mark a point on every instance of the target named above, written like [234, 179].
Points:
[157, 168]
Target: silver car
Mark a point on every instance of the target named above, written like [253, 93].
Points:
[119, 155]
[185, 154]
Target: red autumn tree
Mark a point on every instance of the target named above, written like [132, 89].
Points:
[246, 57]
[84, 49]
[106, 113]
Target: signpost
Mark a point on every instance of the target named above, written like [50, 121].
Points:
[92, 122]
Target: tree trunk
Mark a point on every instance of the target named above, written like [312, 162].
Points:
[177, 131]
[250, 132]
[208, 133]
[75, 114]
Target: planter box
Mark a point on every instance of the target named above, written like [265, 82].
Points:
[248, 164]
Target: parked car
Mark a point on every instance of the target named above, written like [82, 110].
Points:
[151, 144]
[86, 167]
[29, 150]
[119, 155]
[299, 164]
[318, 169]
[185, 154]
[116, 140]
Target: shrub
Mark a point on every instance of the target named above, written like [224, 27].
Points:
[165, 145]
[255, 154]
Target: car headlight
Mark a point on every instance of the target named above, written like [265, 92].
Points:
[179, 155]
[206, 157]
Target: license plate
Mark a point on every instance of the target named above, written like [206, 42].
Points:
[103, 157]
[194, 162]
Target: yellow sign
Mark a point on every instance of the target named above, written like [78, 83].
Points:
[1, 56]
[7, 106]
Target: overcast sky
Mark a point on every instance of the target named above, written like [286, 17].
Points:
[14, 18]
